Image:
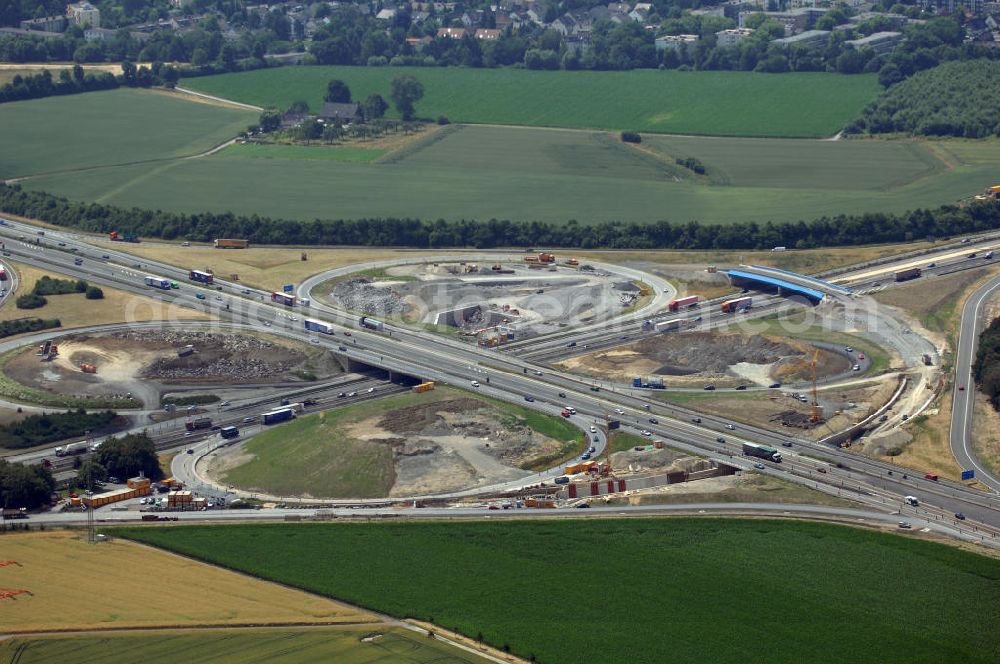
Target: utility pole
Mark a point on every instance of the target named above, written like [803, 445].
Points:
[91, 532]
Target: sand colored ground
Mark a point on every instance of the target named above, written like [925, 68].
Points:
[806, 260]
[75, 310]
[118, 584]
[268, 268]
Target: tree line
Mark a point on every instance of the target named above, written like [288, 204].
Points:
[956, 99]
[49, 427]
[128, 456]
[25, 486]
[986, 368]
[43, 84]
[840, 230]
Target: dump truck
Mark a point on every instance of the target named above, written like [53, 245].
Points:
[926, 359]
[680, 303]
[200, 423]
[86, 367]
[739, 304]
[157, 282]
[232, 244]
[762, 452]
[910, 273]
[201, 277]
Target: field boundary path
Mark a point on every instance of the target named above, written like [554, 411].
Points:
[188, 91]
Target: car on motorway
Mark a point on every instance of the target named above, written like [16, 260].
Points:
[370, 390]
[267, 323]
[861, 356]
[475, 383]
[856, 367]
[341, 348]
[959, 516]
[185, 244]
[223, 404]
[247, 420]
[731, 427]
[741, 387]
[906, 525]
[595, 388]
[709, 388]
[106, 257]
[188, 434]
[647, 432]
[529, 398]
[774, 386]
[848, 349]
[583, 506]
[592, 449]
[200, 296]
[245, 291]
[562, 479]
[786, 444]
[696, 420]
[930, 265]
[537, 373]
[314, 340]
[352, 394]
[759, 466]
[190, 450]
[619, 411]
[585, 456]
[961, 388]
[593, 429]
[571, 344]
[562, 394]
[821, 470]
[347, 333]
[653, 420]
[596, 439]
[720, 439]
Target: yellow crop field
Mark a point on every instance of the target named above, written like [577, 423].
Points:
[75, 310]
[116, 584]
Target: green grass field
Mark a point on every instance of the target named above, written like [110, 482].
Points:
[548, 175]
[115, 127]
[309, 152]
[718, 103]
[316, 455]
[639, 590]
[265, 646]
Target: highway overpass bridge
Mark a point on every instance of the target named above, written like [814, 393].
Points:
[785, 283]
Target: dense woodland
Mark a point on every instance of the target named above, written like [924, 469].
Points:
[48, 427]
[986, 368]
[23, 485]
[956, 99]
[840, 230]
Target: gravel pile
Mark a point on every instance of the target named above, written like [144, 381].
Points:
[361, 296]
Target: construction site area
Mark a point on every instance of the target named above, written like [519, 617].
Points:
[693, 359]
[145, 364]
[414, 444]
[491, 303]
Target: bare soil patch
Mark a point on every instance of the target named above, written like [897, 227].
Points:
[680, 358]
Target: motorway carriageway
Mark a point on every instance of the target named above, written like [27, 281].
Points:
[400, 354]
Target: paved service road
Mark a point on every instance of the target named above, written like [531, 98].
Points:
[963, 400]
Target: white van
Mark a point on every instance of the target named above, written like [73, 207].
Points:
[912, 500]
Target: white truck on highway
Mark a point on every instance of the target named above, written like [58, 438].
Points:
[71, 449]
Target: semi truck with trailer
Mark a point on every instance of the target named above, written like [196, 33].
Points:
[282, 298]
[671, 325]
[762, 452]
[317, 326]
[276, 416]
[199, 423]
[72, 448]
[201, 277]
[232, 243]
[682, 302]
[739, 304]
[157, 282]
[371, 324]
[911, 273]
[127, 236]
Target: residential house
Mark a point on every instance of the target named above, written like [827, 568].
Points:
[386, 15]
[18, 32]
[504, 22]
[641, 12]
[565, 25]
[451, 33]
[342, 113]
[618, 7]
[733, 36]
[99, 34]
[472, 18]
[47, 24]
[879, 43]
[675, 42]
[418, 43]
[896, 21]
[83, 14]
[537, 16]
[419, 17]
[578, 45]
[487, 34]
